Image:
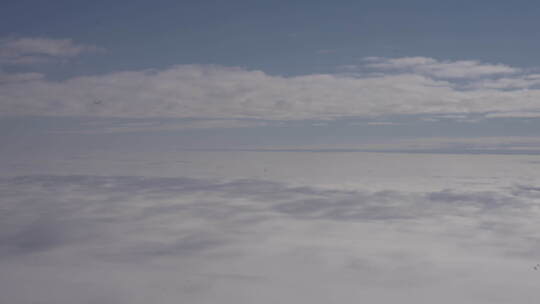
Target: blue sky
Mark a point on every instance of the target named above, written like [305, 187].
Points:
[322, 70]
[281, 37]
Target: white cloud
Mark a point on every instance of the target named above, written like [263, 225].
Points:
[248, 241]
[34, 50]
[442, 69]
[217, 92]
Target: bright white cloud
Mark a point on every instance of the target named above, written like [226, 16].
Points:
[217, 92]
[34, 50]
[442, 69]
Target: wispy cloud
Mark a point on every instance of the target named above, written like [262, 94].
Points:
[36, 50]
[442, 69]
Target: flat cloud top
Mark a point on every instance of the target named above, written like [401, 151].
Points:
[203, 241]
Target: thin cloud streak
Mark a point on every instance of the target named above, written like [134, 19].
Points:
[24, 51]
[444, 69]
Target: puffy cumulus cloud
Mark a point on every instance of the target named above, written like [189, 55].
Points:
[128, 239]
[35, 50]
[442, 69]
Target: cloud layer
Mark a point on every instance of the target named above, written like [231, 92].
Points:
[126, 239]
[380, 86]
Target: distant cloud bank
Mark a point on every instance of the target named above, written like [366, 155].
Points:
[377, 87]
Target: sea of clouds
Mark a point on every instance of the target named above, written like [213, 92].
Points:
[90, 238]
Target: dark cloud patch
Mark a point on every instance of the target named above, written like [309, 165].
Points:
[526, 191]
[47, 234]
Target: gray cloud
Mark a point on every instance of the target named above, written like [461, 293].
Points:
[59, 208]
[130, 238]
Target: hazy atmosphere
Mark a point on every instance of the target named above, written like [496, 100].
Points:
[269, 152]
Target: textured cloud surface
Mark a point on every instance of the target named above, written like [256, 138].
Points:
[449, 69]
[382, 86]
[127, 239]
